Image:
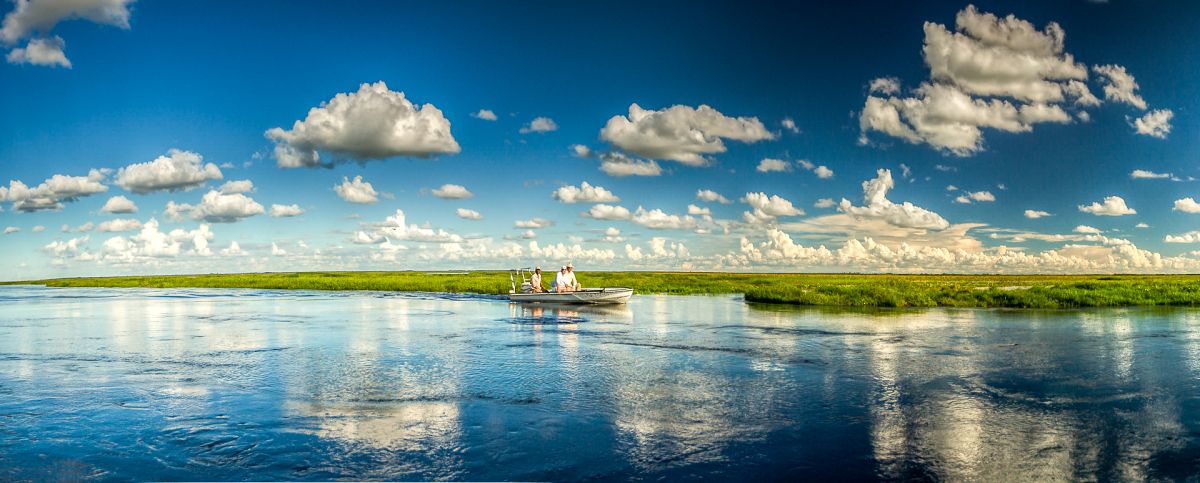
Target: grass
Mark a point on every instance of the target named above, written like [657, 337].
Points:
[851, 290]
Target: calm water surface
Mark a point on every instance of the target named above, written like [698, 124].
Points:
[120, 384]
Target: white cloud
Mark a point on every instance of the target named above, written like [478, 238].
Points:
[528, 234]
[395, 228]
[806, 164]
[789, 125]
[680, 133]
[357, 191]
[45, 52]
[1083, 96]
[584, 193]
[972, 196]
[994, 56]
[657, 219]
[884, 85]
[768, 165]
[1035, 214]
[234, 250]
[1189, 237]
[1087, 230]
[119, 225]
[238, 186]
[151, 244]
[613, 235]
[1187, 205]
[38, 18]
[1156, 123]
[825, 203]
[619, 165]
[68, 248]
[766, 209]
[540, 125]
[276, 251]
[217, 207]
[1119, 85]
[533, 223]
[38, 229]
[119, 205]
[178, 170]
[51, 193]
[285, 211]
[948, 119]
[698, 211]
[467, 214]
[1112, 206]
[1141, 225]
[710, 196]
[485, 114]
[823, 172]
[8, 230]
[1144, 174]
[608, 212]
[372, 123]
[581, 151]
[877, 206]
[452, 192]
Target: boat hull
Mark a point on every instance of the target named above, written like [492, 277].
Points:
[607, 295]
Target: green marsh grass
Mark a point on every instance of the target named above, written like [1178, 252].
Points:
[853, 290]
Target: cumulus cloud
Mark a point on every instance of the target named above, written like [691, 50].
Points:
[1119, 85]
[119, 205]
[766, 209]
[356, 191]
[119, 225]
[1024, 73]
[608, 212]
[877, 206]
[789, 125]
[151, 244]
[540, 125]
[619, 165]
[467, 214]
[1035, 214]
[8, 230]
[1112, 206]
[698, 211]
[768, 165]
[581, 151]
[1189, 237]
[178, 170]
[533, 223]
[285, 211]
[452, 192]
[1187, 205]
[217, 207]
[823, 172]
[657, 219]
[53, 192]
[46, 52]
[825, 203]
[485, 114]
[234, 250]
[1144, 174]
[884, 85]
[584, 193]
[711, 196]
[1086, 229]
[36, 18]
[372, 123]
[1156, 123]
[973, 196]
[238, 186]
[395, 227]
[680, 133]
[65, 248]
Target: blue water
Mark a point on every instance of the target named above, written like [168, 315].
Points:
[136, 384]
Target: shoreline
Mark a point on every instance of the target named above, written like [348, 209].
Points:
[830, 290]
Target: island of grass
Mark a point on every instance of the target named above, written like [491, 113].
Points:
[849, 290]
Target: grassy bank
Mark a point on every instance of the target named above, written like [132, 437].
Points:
[1019, 291]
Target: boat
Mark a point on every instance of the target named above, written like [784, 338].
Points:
[523, 292]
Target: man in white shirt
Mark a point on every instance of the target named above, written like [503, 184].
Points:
[560, 281]
[571, 281]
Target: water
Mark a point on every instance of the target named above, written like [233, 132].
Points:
[123, 384]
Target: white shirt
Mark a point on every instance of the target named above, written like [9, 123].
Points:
[560, 280]
[569, 279]
[536, 281]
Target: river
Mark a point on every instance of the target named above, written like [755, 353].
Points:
[184, 384]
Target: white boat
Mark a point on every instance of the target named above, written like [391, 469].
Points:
[602, 295]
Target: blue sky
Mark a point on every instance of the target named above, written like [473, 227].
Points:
[938, 94]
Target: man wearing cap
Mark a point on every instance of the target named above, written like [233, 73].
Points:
[571, 282]
[536, 280]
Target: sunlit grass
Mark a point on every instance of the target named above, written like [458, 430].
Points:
[1022, 291]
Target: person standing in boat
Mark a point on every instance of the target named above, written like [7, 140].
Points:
[536, 280]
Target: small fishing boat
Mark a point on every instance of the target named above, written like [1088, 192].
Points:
[523, 292]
